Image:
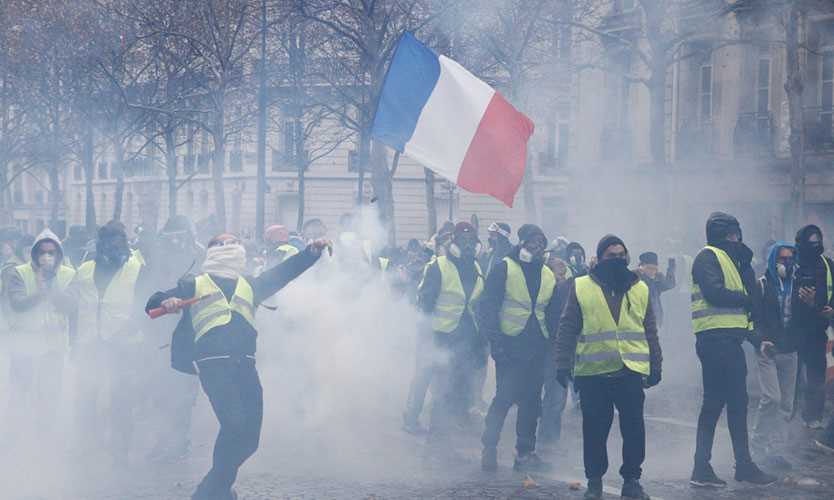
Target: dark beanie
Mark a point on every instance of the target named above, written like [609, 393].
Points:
[607, 241]
[462, 228]
[648, 258]
[527, 231]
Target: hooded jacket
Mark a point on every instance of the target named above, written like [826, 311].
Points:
[50, 296]
[707, 274]
[571, 323]
[530, 343]
[775, 327]
[810, 268]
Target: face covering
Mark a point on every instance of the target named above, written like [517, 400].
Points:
[614, 273]
[227, 261]
[783, 271]
[454, 250]
[525, 256]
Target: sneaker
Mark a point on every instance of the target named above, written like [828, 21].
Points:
[632, 490]
[594, 491]
[824, 445]
[751, 473]
[704, 477]
[489, 460]
[814, 425]
[530, 462]
[777, 462]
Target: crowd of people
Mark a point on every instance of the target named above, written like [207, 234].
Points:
[553, 322]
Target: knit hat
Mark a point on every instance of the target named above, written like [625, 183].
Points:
[528, 231]
[648, 258]
[607, 241]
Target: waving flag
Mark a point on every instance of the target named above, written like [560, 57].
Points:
[439, 114]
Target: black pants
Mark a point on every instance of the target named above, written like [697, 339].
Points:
[812, 357]
[234, 390]
[600, 395]
[724, 372]
[517, 382]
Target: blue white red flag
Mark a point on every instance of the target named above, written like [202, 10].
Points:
[439, 114]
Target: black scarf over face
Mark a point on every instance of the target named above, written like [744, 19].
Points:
[614, 274]
[808, 252]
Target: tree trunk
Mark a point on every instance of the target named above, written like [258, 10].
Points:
[88, 164]
[218, 167]
[794, 87]
[171, 171]
[118, 196]
[55, 201]
[364, 156]
[260, 189]
[5, 208]
[657, 116]
[301, 167]
[383, 189]
[431, 207]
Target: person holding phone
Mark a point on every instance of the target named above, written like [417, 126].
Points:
[777, 357]
[812, 312]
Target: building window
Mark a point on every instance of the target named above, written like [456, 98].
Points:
[77, 170]
[827, 95]
[763, 87]
[40, 199]
[706, 93]
[102, 170]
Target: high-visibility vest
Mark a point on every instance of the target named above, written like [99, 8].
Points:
[110, 314]
[606, 345]
[286, 251]
[452, 301]
[214, 310]
[42, 320]
[706, 316]
[518, 305]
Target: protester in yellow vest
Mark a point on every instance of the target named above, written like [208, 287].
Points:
[40, 315]
[812, 313]
[517, 315]
[277, 238]
[607, 342]
[109, 350]
[726, 304]
[216, 338]
[450, 288]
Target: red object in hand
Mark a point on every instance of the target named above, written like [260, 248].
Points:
[160, 311]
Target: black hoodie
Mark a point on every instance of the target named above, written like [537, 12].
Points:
[707, 274]
[811, 267]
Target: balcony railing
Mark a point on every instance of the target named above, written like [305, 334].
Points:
[615, 143]
[819, 129]
[753, 135]
[694, 141]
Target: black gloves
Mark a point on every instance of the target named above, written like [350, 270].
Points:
[652, 380]
[563, 377]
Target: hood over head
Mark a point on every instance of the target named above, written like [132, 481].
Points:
[44, 236]
[719, 225]
[805, 233]
[773, 253]
[607, 241]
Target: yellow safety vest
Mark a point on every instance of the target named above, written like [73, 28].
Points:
[705, 316]
[452, 301]
[518, 305]
[605, 346]
[112, 313]
[287, 251]
[43, 318]
[214, 310]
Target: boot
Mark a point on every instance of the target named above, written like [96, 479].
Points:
[594, 491]
[750, 472]
[632, 490]
[530, 462]
[489, 460]
[704, 477]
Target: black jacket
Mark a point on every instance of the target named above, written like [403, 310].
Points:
[570, 326]
[530, 343]
[238, 337]
[805, 317]
[771, 326]
[707, 274]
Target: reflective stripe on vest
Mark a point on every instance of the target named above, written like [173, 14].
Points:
[605, 346]
[829, 282]
[518, 305]
[214, 310]
[451, 303]
[705, 316]
[43, 315]
[111, 313]
[287, 251]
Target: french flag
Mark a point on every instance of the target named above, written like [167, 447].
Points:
[442, 116]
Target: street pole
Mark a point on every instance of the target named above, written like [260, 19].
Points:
[260, 201]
